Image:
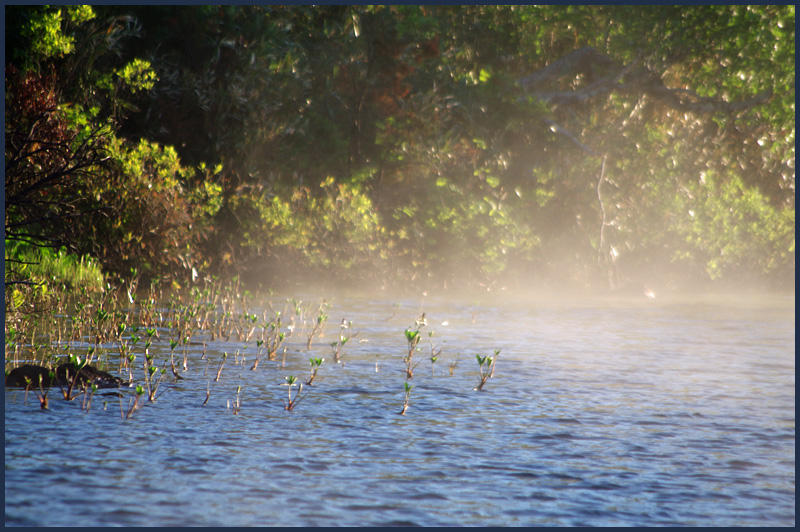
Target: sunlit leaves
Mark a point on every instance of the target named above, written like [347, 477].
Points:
[412, 337]
[734, 229]
[46, 36]
[335, 227]
[138, 74]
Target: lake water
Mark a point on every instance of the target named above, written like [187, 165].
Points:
[672, 412]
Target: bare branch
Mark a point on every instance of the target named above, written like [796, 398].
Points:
[558, 129]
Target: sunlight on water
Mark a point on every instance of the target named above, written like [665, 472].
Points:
[644, 413]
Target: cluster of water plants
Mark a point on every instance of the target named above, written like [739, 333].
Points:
[143, 343]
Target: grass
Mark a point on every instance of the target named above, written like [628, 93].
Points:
[56, 267]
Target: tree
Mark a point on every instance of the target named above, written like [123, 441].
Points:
[483, 142]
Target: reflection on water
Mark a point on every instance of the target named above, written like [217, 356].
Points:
[633, 414]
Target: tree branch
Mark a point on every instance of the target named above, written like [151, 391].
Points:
[558, 129]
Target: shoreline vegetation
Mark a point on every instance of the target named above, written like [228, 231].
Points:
[559, 151]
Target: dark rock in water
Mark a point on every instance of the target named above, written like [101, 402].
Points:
[88, 374]
[17, 376]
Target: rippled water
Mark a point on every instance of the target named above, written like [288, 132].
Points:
[651, 413]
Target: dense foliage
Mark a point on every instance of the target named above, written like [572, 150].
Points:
[579, 145]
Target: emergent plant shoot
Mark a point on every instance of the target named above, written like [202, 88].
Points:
[72, 374]
[486, 368]
[137, 395]
[407, 397]
[322, 318]
[434, 352]
[413, 337]
[291, 381]
[338, 345]
[315, 364]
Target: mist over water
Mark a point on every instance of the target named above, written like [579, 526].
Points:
[602, 412]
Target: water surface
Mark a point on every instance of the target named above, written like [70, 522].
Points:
[627, 413]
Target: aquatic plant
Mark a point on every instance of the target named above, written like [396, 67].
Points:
[259, 354]
[185, 353]
[274, 337]
[339, 344]
[222, 364]
[413, 337]
[152, 383]
[131, 358]
[237, 403]
[87, 398]
[100, 317]
[41, 394]
[72, 374]
[172, 345]
[133, 404]
[122, 344]
[319, 323]
[315, 364]
[486, 368]
[434, 352]
[452, 365]
[250, 325]
[494, 362]
[292, 381]
[208, 393]
[150, 369]
[406, 398]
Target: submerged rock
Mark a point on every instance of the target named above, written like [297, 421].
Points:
[88, 374]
